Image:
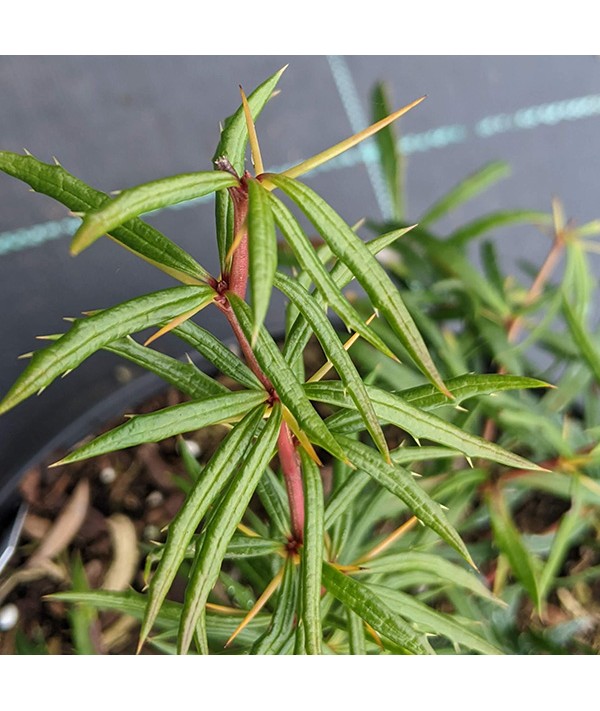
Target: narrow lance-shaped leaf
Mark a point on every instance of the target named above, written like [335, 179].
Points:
[563, 540]
[310, 262]
[367, 605]
[288, 388]
[274, 499]
[351, 250]
[137, 236]
[487, 223]
[434, 622]
[428, 564]
[282, 622]
[232, 145]
[214, 477]
[262, 251]
[463, 387]
[312, 555]
[510, 543]
[146, 198]
[420, 424]
[217, 353]
[465, 190]
[389, 157]
[590, 352]
[132, 603]
[401, 483]
[335, 352]
[186, 377]
[221, 528]
[298, 334]
[156, 426]
[88, 335]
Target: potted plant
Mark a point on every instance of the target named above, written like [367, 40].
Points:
[302, 559]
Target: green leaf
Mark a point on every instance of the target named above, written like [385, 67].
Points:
[393, 409]
[374, 611]
[273, 497]
[262, 251]
[232, 145]
[82, 617]
[432, 565]
[249, 547]
[214, 477]
[282, 622]
[287, 386]
[466, 190]
[452, 261]
[433, 621]
[88, 335]
[216, 353]
[401, 483]
[186, 377]
[588, 349]
[510, 543]
[323, 280]
[463, 387]
[563, 540]
[356, 633]
[221, 528]
[339, 357]
[560, 485]
[351, 250]
[146, 198]
[132, 603]
[137, 236]
[487, 223]
[343, 497]
[312, 554]
[389, 157]
[170, 421]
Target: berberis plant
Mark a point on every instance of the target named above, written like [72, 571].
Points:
[301, 551]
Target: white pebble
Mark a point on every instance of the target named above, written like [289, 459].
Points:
[154, 499]
[108, 475]
[9, 616]
[151, 532]
[193, 447]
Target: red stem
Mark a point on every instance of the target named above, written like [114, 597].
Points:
[292, 472]
[238, 276]
[236, 281]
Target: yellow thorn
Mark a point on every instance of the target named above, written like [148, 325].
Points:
[375, 636]
[392, 538]
[223, 609]
[324, 369]
[254, 147]
[352, 568]
[258, 605]
[348, 143]
[25, 355]
[247, 531]
[358, 224]
[301, 436]
[177, 321]
[558, 216]
[236, 243]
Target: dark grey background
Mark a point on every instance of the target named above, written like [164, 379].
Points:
[118, 121]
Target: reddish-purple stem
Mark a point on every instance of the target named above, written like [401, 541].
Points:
[236, 281]
[238, 276]
[292, 472]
